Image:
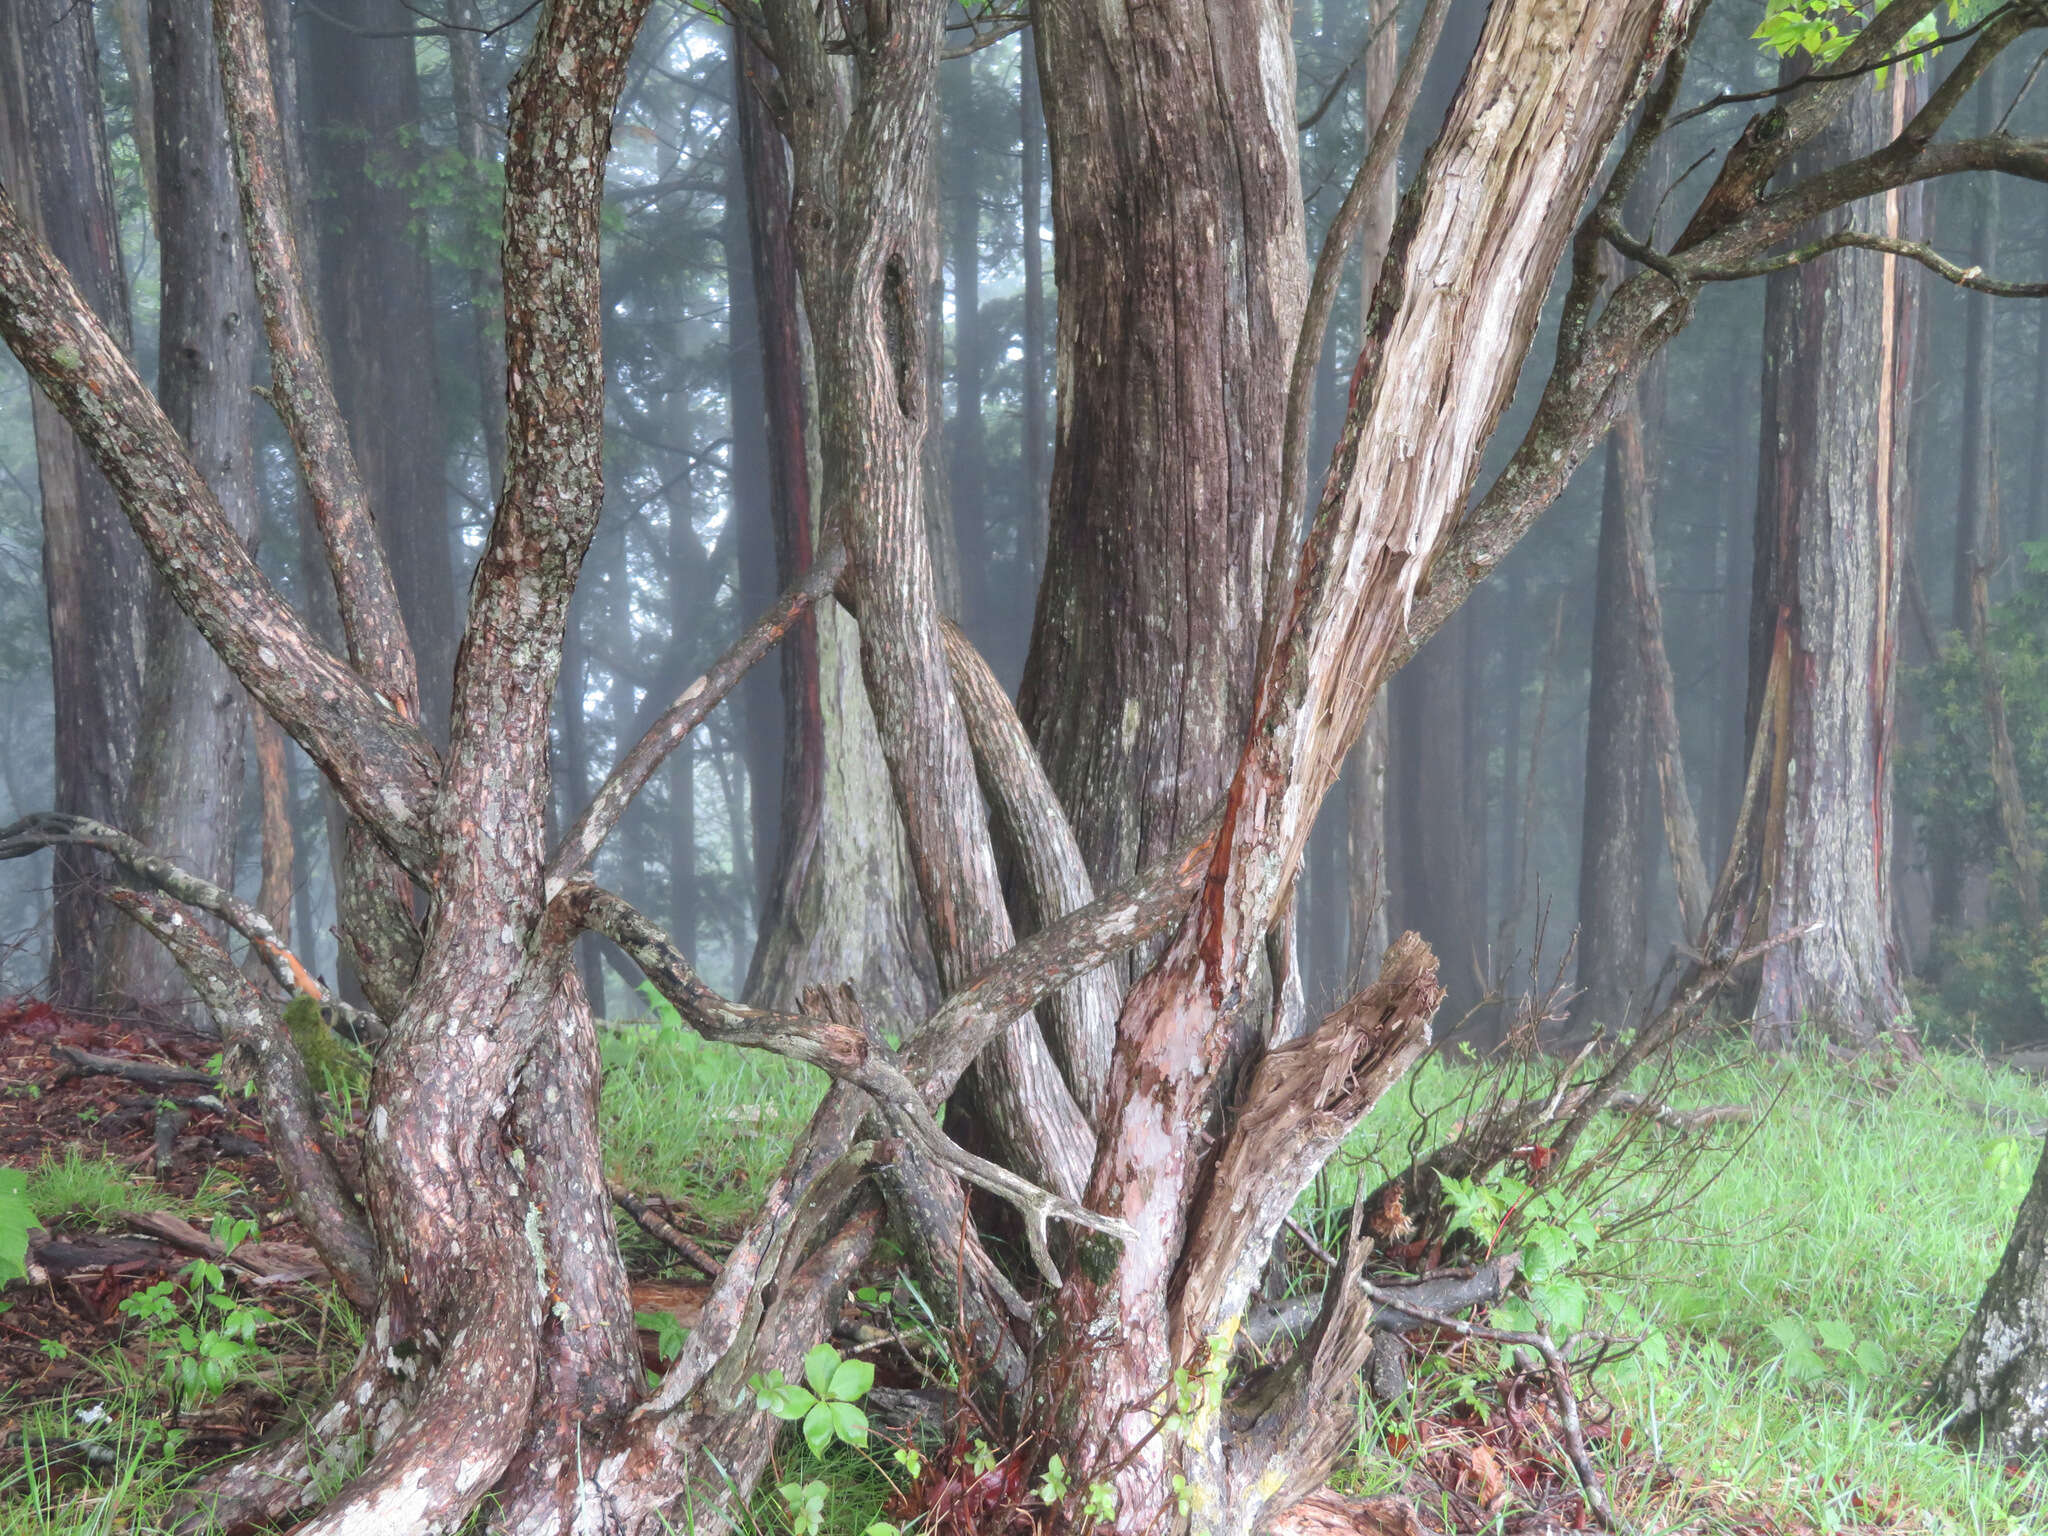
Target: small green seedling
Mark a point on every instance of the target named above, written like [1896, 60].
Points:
[828, 1406]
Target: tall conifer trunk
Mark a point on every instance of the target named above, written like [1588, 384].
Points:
[1824, 617]
[95, 581]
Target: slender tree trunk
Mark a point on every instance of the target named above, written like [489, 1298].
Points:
[844, 903]
[94, 579]
[1976, 525]
[280, 847]
[968, 459]
[753, 483]
[486, 303]
[360, 95]
[1613, 905]
[186, 799]
[1366, 774]
[1824, 618]
[1031, 133]
[1436, 886]
[131, 26]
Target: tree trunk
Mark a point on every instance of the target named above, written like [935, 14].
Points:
[843, 903]
[95, 581]
[360, 95]
[131, 26]
[486, 303]
[1994, 1387]
[1179, 260]
[1435, 882]
[1976, 525]
[1824, 617]
[1031, 134]
[967, 462]
[753, 485]
[1365, 776]
[1613, 905]
[186, 800]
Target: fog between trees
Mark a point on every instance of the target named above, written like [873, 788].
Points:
[1763, 678]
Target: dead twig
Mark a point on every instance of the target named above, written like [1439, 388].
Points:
[654, 1225]
[1569, 1427]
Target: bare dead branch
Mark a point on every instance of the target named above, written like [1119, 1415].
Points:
[632, 771]
[151, 1074]
[652, 1223]
[1972, 278]
[1560, 1386]
[837, 1040]
[1402, 1308]
[1118, 920]
[320, 1197]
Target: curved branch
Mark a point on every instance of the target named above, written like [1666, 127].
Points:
[49, 829]
[322, 1202]
[834, 1036]
[1823, 77]
[1972, 278]
[1122, 918]
[632, 771]
[302, 384]
[380, 763]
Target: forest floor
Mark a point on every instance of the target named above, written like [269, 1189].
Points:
[1783, 1285]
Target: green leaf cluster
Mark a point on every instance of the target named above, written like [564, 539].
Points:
[1825, 1349]
[827, 1405]
[201, 1331]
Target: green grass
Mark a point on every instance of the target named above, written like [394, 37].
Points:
[82, 1187]
[1868, 1204]
[705, 1124]
[1872, 1208]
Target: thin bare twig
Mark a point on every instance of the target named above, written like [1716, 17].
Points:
[655, 1225]
[1569, 1426]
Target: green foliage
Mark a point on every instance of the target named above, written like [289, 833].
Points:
[16, 1217]
[1824, 29]
[828, 1406]
[338, 1068]
[1554, 1240]
[1990, 986]
[703, 1122]
[1100, 1505]
[204, 1335]
[669, 1335]
[805, 1503]
[1828, 1347]
[1054, 1485]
